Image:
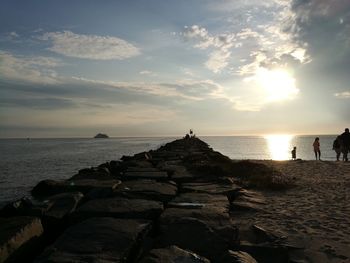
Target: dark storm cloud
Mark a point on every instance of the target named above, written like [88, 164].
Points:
[324, 26]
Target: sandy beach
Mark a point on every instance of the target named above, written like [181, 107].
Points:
[315, 213]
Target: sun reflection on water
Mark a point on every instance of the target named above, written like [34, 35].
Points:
[279, 146]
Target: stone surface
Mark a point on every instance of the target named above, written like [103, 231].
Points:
[177, 172]
[23, 207]
[266, 252]
[19, 238]
[120, 208]
[211, 188]
[173, 254]
[237, 257]
[247, 201]
[199, 200]
[51, 187]
[207, 231]
[93, 173]
[98, 240]
[157, 175]
[147, 189]
[63, 204]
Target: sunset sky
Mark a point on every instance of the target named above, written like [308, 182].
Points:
[161, 67]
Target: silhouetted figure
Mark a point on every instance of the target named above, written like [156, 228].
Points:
[337, 147]
[191, 133]
[345, 138]
[317, 149]
[294, 153]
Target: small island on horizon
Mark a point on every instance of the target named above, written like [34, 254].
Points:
[101, 135]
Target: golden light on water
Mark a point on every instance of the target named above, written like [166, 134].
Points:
[279, 146]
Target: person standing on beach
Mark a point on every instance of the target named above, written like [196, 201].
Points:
[317, 150]
[337, 147]
[345, 137]
[294, 153]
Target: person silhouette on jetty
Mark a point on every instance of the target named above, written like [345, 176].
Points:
[345, 138]
[337, 147]
[317, 150]
[294, 153]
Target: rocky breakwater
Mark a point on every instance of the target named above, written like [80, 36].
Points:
[175, 204]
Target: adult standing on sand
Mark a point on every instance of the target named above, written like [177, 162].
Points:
[317, 150]
[337, 146]
[345, 137]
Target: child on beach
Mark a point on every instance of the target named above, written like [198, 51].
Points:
[294, 153]
[317, 150]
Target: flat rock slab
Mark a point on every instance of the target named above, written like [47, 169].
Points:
[199, 200]
[247, 201]
[120, 208]
[266, 252]
[142, 169]
[173, 254]
[93, 173]
[207, 231]
[147, 189]
[157, 175]
[237, 257]
[52, 187]
[63, 204]
[177, 172]
[211, 188]
[215, 217]
[23, 207]
[97, 240]
[18, 233]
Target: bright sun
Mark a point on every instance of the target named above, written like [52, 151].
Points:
[276, 84]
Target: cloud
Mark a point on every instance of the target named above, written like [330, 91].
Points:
[94, 47]
[148, 73]
[218, 58]
[13, 34]
[267, 36]
[343, 95]
[194, 90]
[324, 26]
[32, 69]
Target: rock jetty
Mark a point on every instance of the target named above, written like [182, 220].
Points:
[174, 204]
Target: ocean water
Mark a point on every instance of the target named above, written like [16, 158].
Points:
[23, 163]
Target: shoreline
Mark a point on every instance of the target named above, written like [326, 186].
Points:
[303, 218]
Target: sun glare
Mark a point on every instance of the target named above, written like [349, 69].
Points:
[277, 85]
[279, 146]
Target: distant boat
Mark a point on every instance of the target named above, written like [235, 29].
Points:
[101, 135]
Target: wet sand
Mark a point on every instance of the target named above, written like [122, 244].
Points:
[316, 212]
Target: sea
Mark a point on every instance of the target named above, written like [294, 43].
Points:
[25, 162]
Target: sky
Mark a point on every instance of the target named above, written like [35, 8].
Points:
[160, 67]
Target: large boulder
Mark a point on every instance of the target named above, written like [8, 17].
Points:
[173, 254]
[177, 172]
[19, 238]
[100, 173]
[145, 174]
[199, 200]
[98, 240]
[51, 187]
[147, 189]
[247, 200]
[23, 207]
[237, 257]
[206, 231]
[212, 188]
[120, 208]
[63, 205]
[266, 252]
